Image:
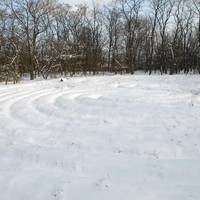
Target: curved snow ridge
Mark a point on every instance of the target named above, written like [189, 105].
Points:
[171, 98]
[123, 85]
[46, 105]
[11, 95]
[195, 97]
[23, 111]
[14, 105]
[161, 97]
[72, 101]
[197, 100]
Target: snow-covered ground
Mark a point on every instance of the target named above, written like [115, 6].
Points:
[101, 138]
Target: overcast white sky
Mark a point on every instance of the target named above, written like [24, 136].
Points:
[88, 2]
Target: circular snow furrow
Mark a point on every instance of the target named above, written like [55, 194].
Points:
[10, 96]
[195, 99]
[9, 88]
[64, 106]
[45, 105]
[51, 108]
[79, 97]
[20, 109]
[5, 94]
[161, 97]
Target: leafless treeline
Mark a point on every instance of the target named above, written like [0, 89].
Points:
[45, 37]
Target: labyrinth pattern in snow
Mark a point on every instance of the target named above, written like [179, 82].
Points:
[107, 137]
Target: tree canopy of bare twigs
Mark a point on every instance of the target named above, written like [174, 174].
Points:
[48, 37]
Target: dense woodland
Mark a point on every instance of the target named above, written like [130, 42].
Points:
[49, 38]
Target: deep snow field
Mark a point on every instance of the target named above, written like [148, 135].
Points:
[101, 138]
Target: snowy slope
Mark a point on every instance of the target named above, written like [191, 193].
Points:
[101, 138]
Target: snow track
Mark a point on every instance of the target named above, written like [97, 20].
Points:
[111, 137]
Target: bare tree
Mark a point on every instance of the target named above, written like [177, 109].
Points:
[130, 10]
[31, 17]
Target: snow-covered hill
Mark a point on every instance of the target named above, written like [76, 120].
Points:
[101, 138]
